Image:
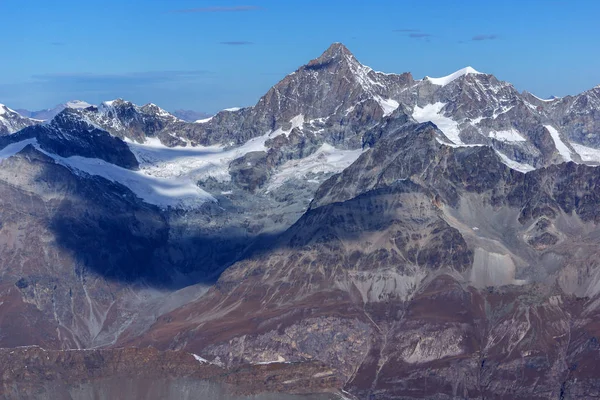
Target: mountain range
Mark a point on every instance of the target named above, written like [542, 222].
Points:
[372, 235]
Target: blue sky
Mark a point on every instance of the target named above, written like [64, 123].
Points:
[209, 55]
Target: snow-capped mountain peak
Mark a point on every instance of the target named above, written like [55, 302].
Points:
[112, 103]
[49, 113]
[11, 121]
[444, 80]
[152, 108]
[77, 104]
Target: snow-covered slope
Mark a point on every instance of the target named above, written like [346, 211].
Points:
[562, 148]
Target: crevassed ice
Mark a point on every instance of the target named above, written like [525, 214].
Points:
[326, 159]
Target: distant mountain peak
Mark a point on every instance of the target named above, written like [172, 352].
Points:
[444, 80]
[11, 121]
[115, 102]
[77, 104]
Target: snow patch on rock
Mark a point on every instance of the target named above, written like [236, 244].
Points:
[433, 113]
[387, 105]
[296, 122]
[203, 121]
[521, 167]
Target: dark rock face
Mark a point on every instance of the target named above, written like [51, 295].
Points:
[579, 116]
[71, 135]
[250, 171]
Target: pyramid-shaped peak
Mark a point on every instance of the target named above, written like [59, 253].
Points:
[336, 52]
[337, 48]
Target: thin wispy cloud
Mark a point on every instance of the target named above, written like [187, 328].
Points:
[237, 43]
[129, 78]
[413, 33]
[419, 35]
[479, 38]
[217, 9]
[57, 43]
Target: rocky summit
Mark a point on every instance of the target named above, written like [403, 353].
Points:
[355, 234]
